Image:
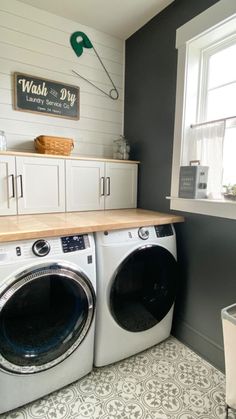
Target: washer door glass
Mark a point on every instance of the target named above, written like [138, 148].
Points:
[44, 316]
[144, 288]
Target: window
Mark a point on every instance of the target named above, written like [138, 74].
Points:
[219, 91]
[205, 120]
[218, 99]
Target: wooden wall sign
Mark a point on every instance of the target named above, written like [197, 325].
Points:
[33, 94]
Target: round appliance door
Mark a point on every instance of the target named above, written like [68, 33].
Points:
[144, 288]
[44, 315]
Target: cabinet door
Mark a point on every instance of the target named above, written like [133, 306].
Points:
[85, 185]
[7, 185]
[40, 185]
[121, 185]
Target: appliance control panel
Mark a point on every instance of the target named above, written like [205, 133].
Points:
[74, 243]
[164, 230]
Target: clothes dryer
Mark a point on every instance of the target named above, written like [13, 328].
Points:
[136, 289]
[47, 307]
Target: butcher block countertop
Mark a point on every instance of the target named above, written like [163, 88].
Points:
[34, 226]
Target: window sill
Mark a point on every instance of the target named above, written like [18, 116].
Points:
[224, 209]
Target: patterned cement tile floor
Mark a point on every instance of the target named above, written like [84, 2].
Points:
[168, 381]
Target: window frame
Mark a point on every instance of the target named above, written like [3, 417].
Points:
[210, 27]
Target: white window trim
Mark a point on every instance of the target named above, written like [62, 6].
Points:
[201, 30]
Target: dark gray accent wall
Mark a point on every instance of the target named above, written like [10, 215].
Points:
[206, 245]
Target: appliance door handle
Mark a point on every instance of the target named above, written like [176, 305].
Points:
[108, 186]
[21, 187]
[12, 186]
[102, 185]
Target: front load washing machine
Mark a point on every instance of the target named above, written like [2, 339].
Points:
[47, 306]
[136, 288]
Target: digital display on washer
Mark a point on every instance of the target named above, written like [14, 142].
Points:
[73, 243]
[164, 230]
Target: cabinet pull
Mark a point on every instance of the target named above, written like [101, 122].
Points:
[21, 186]
[108, 186]
[102, 186]
[13, 186]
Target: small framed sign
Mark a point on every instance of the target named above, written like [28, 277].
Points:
[33, 94]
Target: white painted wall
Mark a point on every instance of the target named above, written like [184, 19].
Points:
[36, 42]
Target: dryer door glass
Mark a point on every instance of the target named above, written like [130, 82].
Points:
[44, 316]
[144, 288]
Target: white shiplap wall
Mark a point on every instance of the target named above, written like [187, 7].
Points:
[36, 42]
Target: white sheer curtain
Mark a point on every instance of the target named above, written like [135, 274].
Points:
[205, 143]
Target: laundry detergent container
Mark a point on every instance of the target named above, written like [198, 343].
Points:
[228, 315]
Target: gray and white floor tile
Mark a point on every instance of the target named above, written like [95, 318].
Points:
[168, 381]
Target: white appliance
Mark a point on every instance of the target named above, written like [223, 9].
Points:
[47, 307]
[136, 288]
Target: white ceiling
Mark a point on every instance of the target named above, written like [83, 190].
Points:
[120, 18]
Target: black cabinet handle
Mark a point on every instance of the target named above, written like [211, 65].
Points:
[21, 186]
[102, 186]
[108, 186]
[13, 186]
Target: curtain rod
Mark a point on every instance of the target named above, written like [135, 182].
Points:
[212, 122]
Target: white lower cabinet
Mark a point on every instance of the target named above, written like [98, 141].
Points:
[7, 186]
[40, 185]
[31, 185]
[84, 185]
[94, 185]
[121, 185]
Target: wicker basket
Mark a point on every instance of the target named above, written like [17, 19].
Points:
[53, 145]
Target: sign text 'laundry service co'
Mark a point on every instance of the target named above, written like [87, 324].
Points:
[33, 94]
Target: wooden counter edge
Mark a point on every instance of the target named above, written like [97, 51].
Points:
[151, 219]
[71, 157]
